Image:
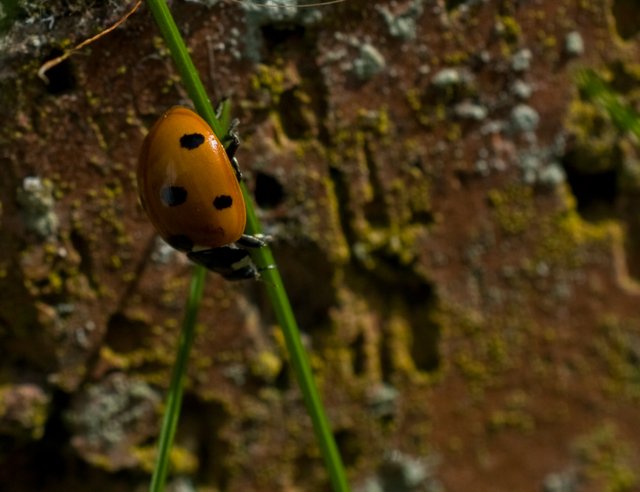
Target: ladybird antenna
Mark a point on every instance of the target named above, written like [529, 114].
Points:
[285, 6]
[59, 59]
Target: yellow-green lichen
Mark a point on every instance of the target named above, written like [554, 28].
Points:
[376, 121]
[268, 83]
[112, 359]
[182, 461]
[266, 365]
[595, 146]
[339, 248]
[604, 124]
[456, 58]
[484, 352]
[564, 237]
[514, 415]
[513, 208]
[400, 342]
[508, 28]
[614, 345]
[473, 369]
[24, 410]
[268, 78]
[606, 459]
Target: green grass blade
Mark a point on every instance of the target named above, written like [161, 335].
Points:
[183, 62]
[623, 116]
[299, 360]
[272, 281]
[174, 397]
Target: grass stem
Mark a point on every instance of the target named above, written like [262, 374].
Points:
[176, 386]
[272, 280]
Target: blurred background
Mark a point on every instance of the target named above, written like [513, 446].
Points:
[453, 191]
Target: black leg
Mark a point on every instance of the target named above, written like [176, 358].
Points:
[248, 272]
[232, 135]
[236, 169]
[249, 241]
[232, 148]
[220, 105]
[231, 263]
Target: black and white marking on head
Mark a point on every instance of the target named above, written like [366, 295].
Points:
[180, 242]
[191, 141]
[172, 196]
[222, 201]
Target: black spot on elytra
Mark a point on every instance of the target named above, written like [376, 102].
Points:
[180, 242]
[222, 201]
[173, 196]
[191, 141]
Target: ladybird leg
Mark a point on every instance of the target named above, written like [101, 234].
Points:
[249, 241]
[231, 263]
[233, 147]
[236, 169]
[246, 273]
[232, 135]
[220, 106]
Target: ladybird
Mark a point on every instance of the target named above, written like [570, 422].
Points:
[189, 186]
